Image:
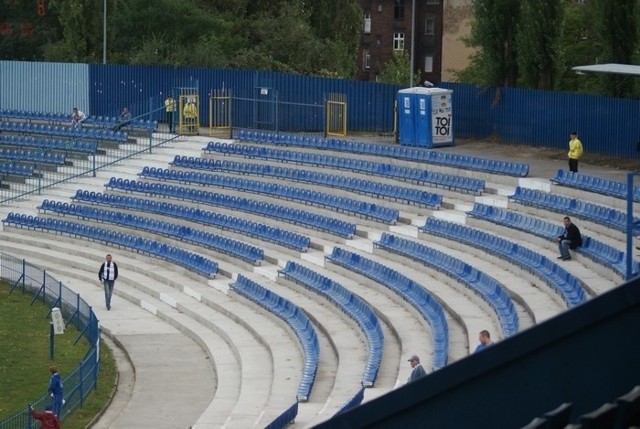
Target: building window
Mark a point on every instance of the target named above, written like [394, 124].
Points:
[398, 41]
[379, 7]
[433, 1]
[378, 41]
[398, 9]
[366, 59]
[428, 64]
[367, 23]
[429, 26]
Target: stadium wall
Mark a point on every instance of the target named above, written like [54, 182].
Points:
[607, 126]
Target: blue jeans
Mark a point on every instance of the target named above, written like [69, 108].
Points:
[563, 246]
[108, 291]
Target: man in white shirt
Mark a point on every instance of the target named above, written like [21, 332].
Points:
[77, 117]
[108, 274]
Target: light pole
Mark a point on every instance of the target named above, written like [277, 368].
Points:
[104, 32]
[413, 41]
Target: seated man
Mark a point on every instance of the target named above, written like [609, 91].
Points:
[123, 119]
[569, 239]
[77, 117]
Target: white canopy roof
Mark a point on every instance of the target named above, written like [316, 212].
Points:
[627, 69]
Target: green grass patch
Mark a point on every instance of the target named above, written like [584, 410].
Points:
[24, 358]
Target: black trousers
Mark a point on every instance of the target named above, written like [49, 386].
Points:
[170, 121]
[573, 165]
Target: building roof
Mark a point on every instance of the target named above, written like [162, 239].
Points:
[627, 69]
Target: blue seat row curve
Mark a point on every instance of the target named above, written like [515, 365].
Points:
[287, 214]
[485, 286]
[83, 133]
[598, 251]
[232, 223]
[567, 285]
[360, 208]
[49, 144]
[596, 184]
[349, 303]
[205, 239]
[283, 420]
[352, 403]
[12, 168]
[192, 261]
[443, 180]
[602, 215]
[422, 300]
[428, 156]
[39, 157]
[62, 118]
[353, 184]
[296, 319]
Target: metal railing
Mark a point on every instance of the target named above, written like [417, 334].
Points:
[80, 382]
[78, 164]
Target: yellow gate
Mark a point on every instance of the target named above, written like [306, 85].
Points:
[336, 115]
[189, 111]
[220, 111]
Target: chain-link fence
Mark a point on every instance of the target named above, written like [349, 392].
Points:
[26, 278]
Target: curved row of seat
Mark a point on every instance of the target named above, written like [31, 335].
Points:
[352, 305]
[596, 250]
[568, 286]
[352, 403]
[353, 184]
[301, 217]
[426, 304]
[191, 261]
[273, 234]
[86, 133]
[295, 318]
[595, 184]
[448, 181]
[288, 416]
[606, 216]
[216, 242]
[49, 144]
[57, 118]
[16, 169]
[33, 156]
[488, 288]
[364, 209]
[394, 151]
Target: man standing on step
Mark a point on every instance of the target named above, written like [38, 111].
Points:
[108, 274]
[417, 371]
[575, 151]
[569, 239]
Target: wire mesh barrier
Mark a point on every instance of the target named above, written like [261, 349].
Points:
[39, 152]
[80, 382]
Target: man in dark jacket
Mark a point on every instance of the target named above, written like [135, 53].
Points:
[108, 273]
[569, 239]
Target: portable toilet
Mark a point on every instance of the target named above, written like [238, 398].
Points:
[425, 117]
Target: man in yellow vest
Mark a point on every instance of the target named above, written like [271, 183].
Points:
[169, 108]
[190, 113]
[575, 151]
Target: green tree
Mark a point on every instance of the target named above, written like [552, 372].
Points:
[398, 70]
[617, 31]
[493, 32]
[539, 43]
[81, 23]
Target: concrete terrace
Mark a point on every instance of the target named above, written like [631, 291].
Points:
[193, 353]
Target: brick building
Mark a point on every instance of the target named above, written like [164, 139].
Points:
[387, 28]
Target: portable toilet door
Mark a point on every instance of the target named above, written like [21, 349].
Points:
[405, 117]
[423, 119]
